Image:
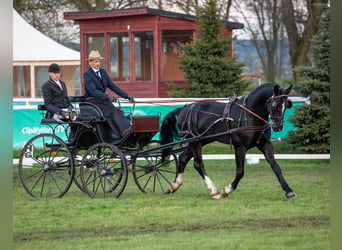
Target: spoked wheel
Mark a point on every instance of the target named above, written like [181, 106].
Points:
[151, 174]
[46, 166]
[103, 171]
[77, 163]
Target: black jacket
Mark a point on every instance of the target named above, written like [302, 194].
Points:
[54, 97]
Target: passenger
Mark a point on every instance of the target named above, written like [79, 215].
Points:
[96, 81]
[55, 95]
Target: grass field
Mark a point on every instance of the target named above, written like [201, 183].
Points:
[256, 216]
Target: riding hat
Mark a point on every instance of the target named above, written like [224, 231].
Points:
[54, 68]
[94, 55]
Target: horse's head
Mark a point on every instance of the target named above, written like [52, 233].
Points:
[276, 106]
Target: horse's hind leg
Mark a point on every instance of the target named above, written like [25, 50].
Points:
[240, 155]
[183, 159]
[199, 166]
[269, 156]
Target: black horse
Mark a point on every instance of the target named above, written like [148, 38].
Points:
[242, 122]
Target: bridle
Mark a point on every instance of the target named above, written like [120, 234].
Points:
[272, 104]
[269, 102]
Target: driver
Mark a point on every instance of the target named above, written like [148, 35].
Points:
[96, 82]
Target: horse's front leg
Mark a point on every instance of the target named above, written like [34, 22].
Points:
[269, 156]
[240, 155]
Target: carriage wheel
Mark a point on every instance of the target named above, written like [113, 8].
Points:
[85, 139]
[46, 166]
[150, 174]
[103, 171]
[77, 163]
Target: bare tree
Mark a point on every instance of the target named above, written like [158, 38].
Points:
[301, 21]
[186, 6]
[47, 15]
[190, 6]
[225, 6]
[263, 24]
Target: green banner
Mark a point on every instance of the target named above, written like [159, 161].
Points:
[26, 120]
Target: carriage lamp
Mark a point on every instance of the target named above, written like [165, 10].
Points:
[70, 114]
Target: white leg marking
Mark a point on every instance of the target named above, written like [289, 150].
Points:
[227, 190]
[178, 182]
[214, 193]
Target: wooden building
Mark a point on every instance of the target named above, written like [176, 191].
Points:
[140, 46]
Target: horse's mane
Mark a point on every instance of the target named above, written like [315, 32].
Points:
[261, 87]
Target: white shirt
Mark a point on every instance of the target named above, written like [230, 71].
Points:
[97, 72]
[59, 84]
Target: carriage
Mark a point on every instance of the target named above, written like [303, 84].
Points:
[91, 158]
[99, 166]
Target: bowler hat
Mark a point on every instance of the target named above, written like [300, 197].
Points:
[94, 55]
[54, 68]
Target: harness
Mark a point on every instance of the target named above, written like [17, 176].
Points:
[186, 129]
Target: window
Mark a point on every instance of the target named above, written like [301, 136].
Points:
[41, 77]
[21, 81]
[96, 42]
[171, 46]
[115, 47]
[77, 84]
[144, 56]
[119, 56]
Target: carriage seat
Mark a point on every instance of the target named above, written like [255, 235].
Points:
[42, 107]
[90, 112]
[87, 112]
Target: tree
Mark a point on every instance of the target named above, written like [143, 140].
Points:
[264, 26]
[47, 17]
[272, 24]
[301, 22]
[312, 121]
[207, 65]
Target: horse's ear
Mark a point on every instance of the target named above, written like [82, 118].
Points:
[287, 91]
[276, 89]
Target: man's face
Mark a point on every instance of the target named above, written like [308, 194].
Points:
[95, 64]
[55, 76]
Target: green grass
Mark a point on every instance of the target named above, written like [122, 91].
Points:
[256, 216]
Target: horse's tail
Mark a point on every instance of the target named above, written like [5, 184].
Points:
[169, 131]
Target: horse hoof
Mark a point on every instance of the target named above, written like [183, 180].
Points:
[225, 193]
[291, 194]
[216, 196]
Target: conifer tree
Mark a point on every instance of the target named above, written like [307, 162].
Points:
[207, 65]
[312, 120]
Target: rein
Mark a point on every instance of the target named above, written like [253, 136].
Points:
[251, 112]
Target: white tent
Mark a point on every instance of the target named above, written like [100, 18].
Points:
[31, 45]
[33, 50]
